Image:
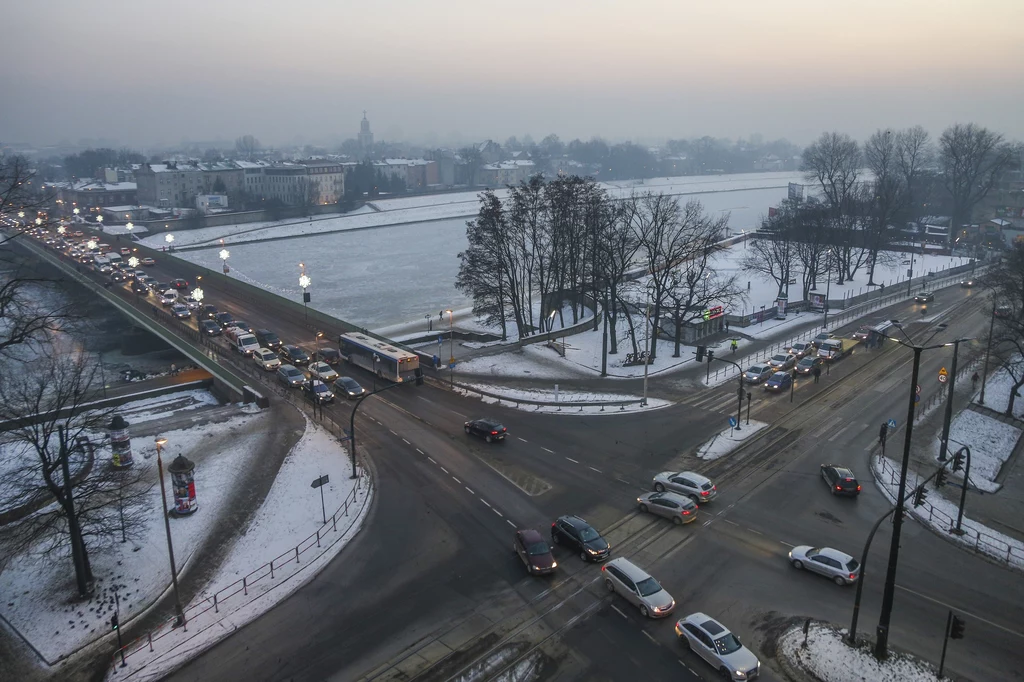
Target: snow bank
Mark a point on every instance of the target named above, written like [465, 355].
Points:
[728, 440]
[991, 443]
[568, 402]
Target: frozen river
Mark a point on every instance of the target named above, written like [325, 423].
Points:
[398, 274]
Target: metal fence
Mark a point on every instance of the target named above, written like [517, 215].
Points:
[972, 538]
[621, 404]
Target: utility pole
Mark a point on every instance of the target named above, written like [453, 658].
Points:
[988, 352]
[944, 443]
[647, 347]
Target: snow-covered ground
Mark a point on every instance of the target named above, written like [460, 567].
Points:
[997, 393]
[830, 659]
[567, 402]
[728, 440]
[270, 534]
[991, 443]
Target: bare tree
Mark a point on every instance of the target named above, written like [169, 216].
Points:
[247, 146]
[1006, 280]
[616, 251]
[886, 196]
[482, 269]
[833, 162]
[473, 160]
[773, 253]
[307, 193]
[972, 159]
[914, 153]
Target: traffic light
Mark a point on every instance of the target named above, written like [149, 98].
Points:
[958, 460]
[920, 495]
[711, 355]
[113, 622]
[700, 353]
[956, 630]
[940, 478]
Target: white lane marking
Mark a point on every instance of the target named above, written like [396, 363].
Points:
[968, 613]
[406, 442]
[622, 480]
[445, 470]
[485, 502]
[421, 452]
[707, 523]
[546, 450]
[430, 458]
[840, 432]
[786, 544]
[593, 469]
[523, 439]
[456, 480]
[497, 512]
[572, 460]
[755, 532]
[469, 489]
[732, 522]
[648, 635]
[510, 523]
[618, 611]
[393, 433]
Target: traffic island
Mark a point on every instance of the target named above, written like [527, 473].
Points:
[818, 652]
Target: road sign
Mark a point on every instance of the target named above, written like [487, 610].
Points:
[317, 482]
[732, 422]
[892, 423]
[918, 390]
[943, 375]
[917, 397]
[439, 339]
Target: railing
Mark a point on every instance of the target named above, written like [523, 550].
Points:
[972, 538]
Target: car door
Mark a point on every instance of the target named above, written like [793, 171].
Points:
[833, 567]
[573, 535]
[623, 585]
[819, 564]
[703, 645]
[683, 485]
[826, 473]
[666, 508]
[517, 544]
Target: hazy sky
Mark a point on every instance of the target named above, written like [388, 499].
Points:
[144, 72]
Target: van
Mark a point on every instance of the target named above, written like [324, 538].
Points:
[638, 587]
[246, 344]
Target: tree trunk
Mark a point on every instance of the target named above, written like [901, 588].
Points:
[679, 331]
[1013, 396]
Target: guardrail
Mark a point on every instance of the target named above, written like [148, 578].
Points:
[981, 542]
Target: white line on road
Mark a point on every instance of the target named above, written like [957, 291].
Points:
[593, 469]
[572, 460]
[968, 613]
[618, 611]
[546, 450]
[840, 432]
[392, 432]
[421, 452]
[732, 522]
[485, 502]
[622, 480]
[786, 544]
[406, 442]
[510, 523]
[523, 439]
[707, 523]
[445, 470]
[456, 480]
[497, 512]
[469, 489]
[430, 458]
[648, 636]
[755, 532]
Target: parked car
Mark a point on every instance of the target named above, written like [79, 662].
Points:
[757, 373]
[148, 261]
[824, 336]
[670, 505]
[534, 552]
[779, 382]
[577, 534]
[488, 429]
[862, 333]
[800, 349]
[625, 578]
[224, 319]
[840, 480]
[180, 311]
[322, 371]
[698, 488]
[807, 365]
[719, 647]
[294, 354]
[268, 339]
[290, 376]
[179, 283]
[210, 328]
[266, 358]
[318, 390]
[924, 297]
[839, 567]
[349, 386]
[782, 361]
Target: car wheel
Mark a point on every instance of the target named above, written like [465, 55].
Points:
[798, 564]
[583, 555]
[694, 499]
[643, 508]
[555, 539]
[838, 580]
[659, 487]
[676, 520]
[489, 439]
[724, 672]
[609, 585]
[644, 612]
[467, 429]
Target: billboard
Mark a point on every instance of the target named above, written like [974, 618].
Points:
[796, 192]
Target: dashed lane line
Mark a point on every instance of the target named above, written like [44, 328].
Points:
[731, 522]
[786, 544]
[469, 490]
[574, 461]
[394, 434]
[497, 512]
[406, 442]
[487, 503]
[422, 453]
[510, 523]
[618, 611]
[648, 636]
[593, 469]
[523, 439]
[546, 450]
[456, 480]
[430, 458]
[445, 470]
[755, 532]
[622, 480]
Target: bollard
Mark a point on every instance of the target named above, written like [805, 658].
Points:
[318, 538]
[297, 555]
[245, 587]
[346, 507]
[271, 569]
[334, 521]
[150, 636]
[215, 609]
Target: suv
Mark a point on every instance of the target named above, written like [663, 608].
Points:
[698, 488]
[576, 533]
[268, 339]
[723, 650]
[757, 373]
[840, 480]
[535, 554]
[640, 589]
[670, 505]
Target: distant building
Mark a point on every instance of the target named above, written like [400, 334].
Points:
[505, 173]
[87, 194]
[211, 203]
[286, 183]
[365, 137]
[168, 184]
[329, 177]
[769, 163]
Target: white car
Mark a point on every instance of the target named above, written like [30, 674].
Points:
[723, 650]
[698, 488]
[322, 371]
[148, 261]
[839, 567]
[266, 358]
[169, 297]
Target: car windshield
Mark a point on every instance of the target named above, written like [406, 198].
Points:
[292, 373]
[538, 549]
[807, 362]
[350, 383]
[778, 358]
[587, 534]
[648, 587]
[727, 644]
[779, 376]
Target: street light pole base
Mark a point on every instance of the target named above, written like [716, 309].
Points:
[957, 531]
[179, 622]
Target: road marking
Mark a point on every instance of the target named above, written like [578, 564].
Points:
[523, 439]
[510, 523]
[593, 469]
[469, 489]
[497, 512]
[429, 457]
[622, 480]
[406, 442]
[840, 432]
[732, 522]
[546, 450]
[393, 433]
[618, 611]
[445, 470]
[572, 460]
[421, 452]
[755, 532]
[648, 636]
[456, 480]
[967, 613]
[786, 544]
[707, 523]
[485, 502]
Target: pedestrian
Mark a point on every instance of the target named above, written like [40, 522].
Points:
[174, 370]
[974, 381]
[734, 346]
[817, 373]
[727, 326]
[440, 315]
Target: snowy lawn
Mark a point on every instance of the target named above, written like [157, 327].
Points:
[940, 514]
[997, 393]
[728, 440]
[830, 659]
[991, 443]
[566, 400]
[270, 534]
[39, 593]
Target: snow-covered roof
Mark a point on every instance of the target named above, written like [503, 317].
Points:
[1001, 222]
[95, 186]
[251, 164]
[122, 209]
[510, 165]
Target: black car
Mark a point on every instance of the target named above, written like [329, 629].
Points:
[807, 365]
[349, 387]
[314, 389]
[924, 297]
[577, 534]
[488, 429]
[208, 312]
[210, 328]
[223, 319]
[241, 324]
[840, 480]
[329, 355]
[268, 339]
[179, 283]
[967, 283]
[294, 355]
[117, 276]
[140, 288]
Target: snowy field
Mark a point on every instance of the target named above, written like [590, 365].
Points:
[567, 402]
[991, 442]
[997, 393]
[728, 440]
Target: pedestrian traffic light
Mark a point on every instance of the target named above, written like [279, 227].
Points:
[956, 630]
[940, 478]
[113, 622]
[920, 495]
[958, 460]
[711, 356]
[700, 353]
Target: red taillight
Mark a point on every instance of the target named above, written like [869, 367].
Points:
[602, 568]
[839, 487]
[705, 492]
[494, 433]
[858, 488]
[852, 576]
[686, 512]
[553, 525]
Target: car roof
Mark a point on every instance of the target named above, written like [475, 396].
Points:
[779, 375]
[697, 478]
[707, 623]
[632, 571]
[757, 368]
[780, 355]
[808, 360]
[286, 368]
[530, 535]
[834, 554]
[574, 521]
[682, 500]
[264, 332]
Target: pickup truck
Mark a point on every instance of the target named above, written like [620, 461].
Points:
[246, 344]
[834, 349]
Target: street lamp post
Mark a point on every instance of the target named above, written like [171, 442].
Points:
[304, 282]
[944, 443]
[988, 352]
[451, 348]
[180, 619]
[352, 425]
[319, 335]
[223, 255]
[828, 290]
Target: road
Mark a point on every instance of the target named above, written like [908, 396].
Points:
[430, 589]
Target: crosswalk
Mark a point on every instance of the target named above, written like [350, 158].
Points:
[715, 401]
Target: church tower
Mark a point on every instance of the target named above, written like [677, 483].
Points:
[365, 137]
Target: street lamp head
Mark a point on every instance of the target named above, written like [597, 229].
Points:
[319, 334]
[161, 441]
[39, 221]
[99, 219]
[449, 312]
[197, 295]
[76, 211]
[133, 261]
[21, 214]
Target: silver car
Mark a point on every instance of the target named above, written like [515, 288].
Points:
[757, 373]
[723, 650]
[782, 361]
[800, 349]
[624, 577]
[670, 505]
[840, 567]
[698, 488]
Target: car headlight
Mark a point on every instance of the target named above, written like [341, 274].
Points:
[591, 551]
[740, 675]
